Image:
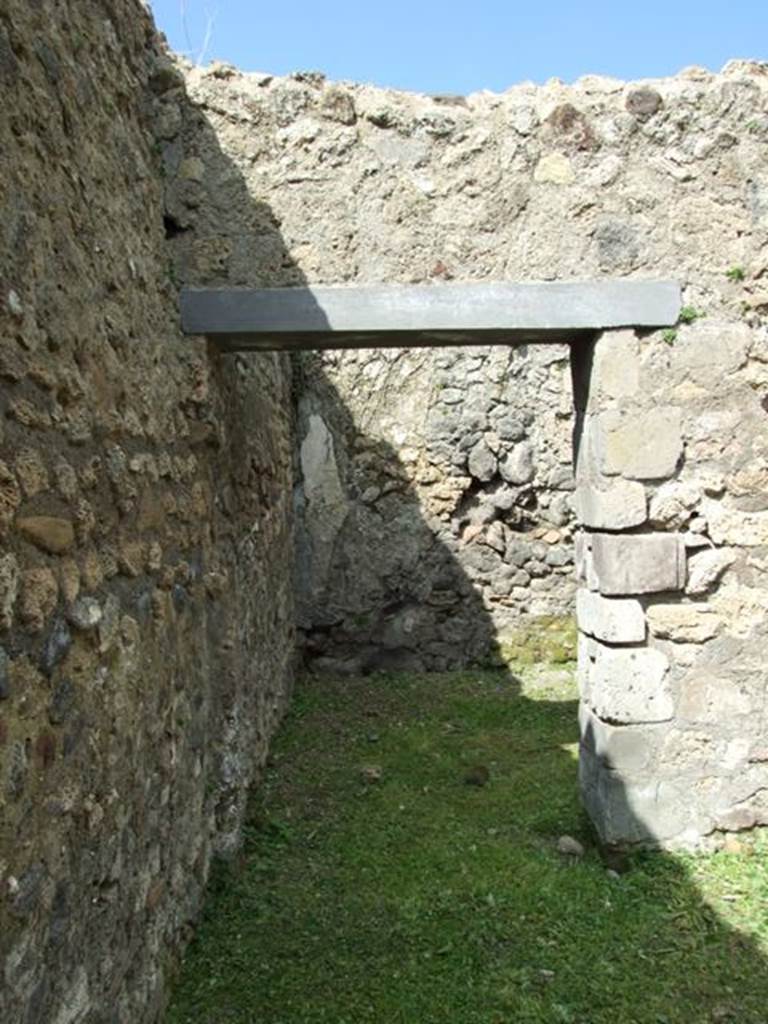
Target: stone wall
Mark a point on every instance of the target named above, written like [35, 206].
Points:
[446, 472]
[146, 612]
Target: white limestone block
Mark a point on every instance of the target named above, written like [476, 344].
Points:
[618, 620]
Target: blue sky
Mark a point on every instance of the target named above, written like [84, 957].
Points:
[458, 47]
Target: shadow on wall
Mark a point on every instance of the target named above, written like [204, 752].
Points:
[146, 660]
[377, 588]
[393, 534]
[242, 417]
[219, 235]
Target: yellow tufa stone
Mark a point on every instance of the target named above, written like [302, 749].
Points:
[684, 623]
[49, 533]
[554, 169]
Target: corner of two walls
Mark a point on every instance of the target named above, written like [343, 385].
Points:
[434, 525]
[660, 179]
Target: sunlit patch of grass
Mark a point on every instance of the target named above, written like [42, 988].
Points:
[418, 899]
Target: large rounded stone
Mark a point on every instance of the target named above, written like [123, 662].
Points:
[49, 533]
[517, 467]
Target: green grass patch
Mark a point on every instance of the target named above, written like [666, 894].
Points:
[419, 899]
[689, 315]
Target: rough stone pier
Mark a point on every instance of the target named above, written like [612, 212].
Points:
[181, 524]
[635, 624]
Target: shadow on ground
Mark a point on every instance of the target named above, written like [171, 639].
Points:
[378, 883]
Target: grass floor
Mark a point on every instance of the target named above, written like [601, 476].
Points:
[420, 899]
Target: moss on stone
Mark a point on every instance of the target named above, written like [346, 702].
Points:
[538, 638]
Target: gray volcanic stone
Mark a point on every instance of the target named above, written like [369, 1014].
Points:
[559, 556]
[618, 246]
[17, 771]
[28, 890]
[503, 498]
[482, 462]
[570, 847]
[517, 467]
[518, 552]
[643, 103]
[56, 646]
[637, 563]
[510, 428]
[481, 559]
[62, 702]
